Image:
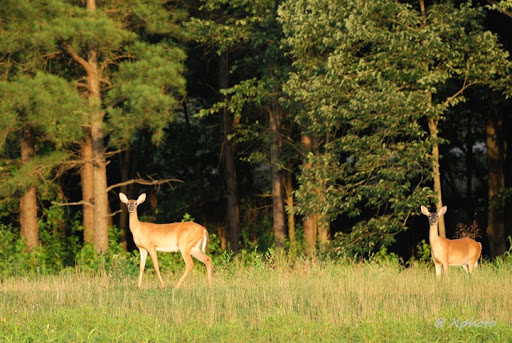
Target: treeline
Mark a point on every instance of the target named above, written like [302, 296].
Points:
[309, 125]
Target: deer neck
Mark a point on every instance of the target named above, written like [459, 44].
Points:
[134, 221]
[433, 234]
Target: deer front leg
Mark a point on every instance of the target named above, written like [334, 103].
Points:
[154, 258]
[143, 256]
[438, 270]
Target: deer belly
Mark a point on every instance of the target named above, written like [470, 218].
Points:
[168, 249]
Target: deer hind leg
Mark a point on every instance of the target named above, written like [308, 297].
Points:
[446, 268]
[201, 256]
[188, 266]
[465, 267]
[143, 256]
[472, 265]
[154, 258]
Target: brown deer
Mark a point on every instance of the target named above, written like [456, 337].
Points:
[463, 252]
[187, 237]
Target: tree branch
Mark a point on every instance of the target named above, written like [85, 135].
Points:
[464, 86]
[502, 10]
[109, 61]
[88, 203]
[83, 85]
[143, 182]
[140, 181]
[76, 57]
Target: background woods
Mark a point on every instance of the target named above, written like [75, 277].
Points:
[310, 126]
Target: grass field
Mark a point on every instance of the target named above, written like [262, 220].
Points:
[306, 302]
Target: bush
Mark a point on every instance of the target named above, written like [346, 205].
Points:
[13, 259]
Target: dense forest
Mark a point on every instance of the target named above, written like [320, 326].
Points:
[314, 126]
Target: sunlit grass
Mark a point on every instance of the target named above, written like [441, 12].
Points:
[309, 301]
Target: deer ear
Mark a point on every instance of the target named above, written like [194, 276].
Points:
[123, 198]
[425, 211]
[442, 211]
[141, 198]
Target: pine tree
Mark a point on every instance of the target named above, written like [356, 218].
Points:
[41, 114]
[123, 59]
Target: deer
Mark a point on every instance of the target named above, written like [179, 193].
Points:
[463, 252]
[189, 238]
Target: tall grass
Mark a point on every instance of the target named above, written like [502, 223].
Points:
[304, 301]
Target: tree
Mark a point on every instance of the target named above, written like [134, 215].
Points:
[221, 26]
[497, 151]
[127, 81]
[262, 70]
[41, 114]
[369, 84]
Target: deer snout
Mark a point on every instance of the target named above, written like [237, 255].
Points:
[131, 207]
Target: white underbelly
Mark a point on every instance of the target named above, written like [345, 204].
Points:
[168, 249]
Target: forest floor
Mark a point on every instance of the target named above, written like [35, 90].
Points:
[305, 302]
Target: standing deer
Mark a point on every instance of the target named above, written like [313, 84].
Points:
[463, 252]
[189, 238]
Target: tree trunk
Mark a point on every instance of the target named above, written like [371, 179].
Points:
[470, 162]
[228, 152]
[28, 203]
[277, 179]
[432, 125]
[309, 223]
[87, 178]
[507, 144]
[310, 231]
[101, 212]
[324, 232]
[289, 204]
[123, 217]
[101, 207]
[496, 181]
[152, 200]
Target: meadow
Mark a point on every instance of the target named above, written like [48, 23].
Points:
[303, 301]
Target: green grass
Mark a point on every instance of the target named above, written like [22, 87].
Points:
[309, 302]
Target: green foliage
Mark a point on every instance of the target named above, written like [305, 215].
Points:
[13, 260]
[115, 261]
[384, 257]
[50, 108]
[423, 252]
[146, 91]
[187, 218]
[365, 85]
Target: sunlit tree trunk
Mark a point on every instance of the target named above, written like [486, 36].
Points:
[309, 222]
[324, 232]
[432, 125]
[277, 178]
[290, 205]
[101, 212]
[28, 203]
[87, 178]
